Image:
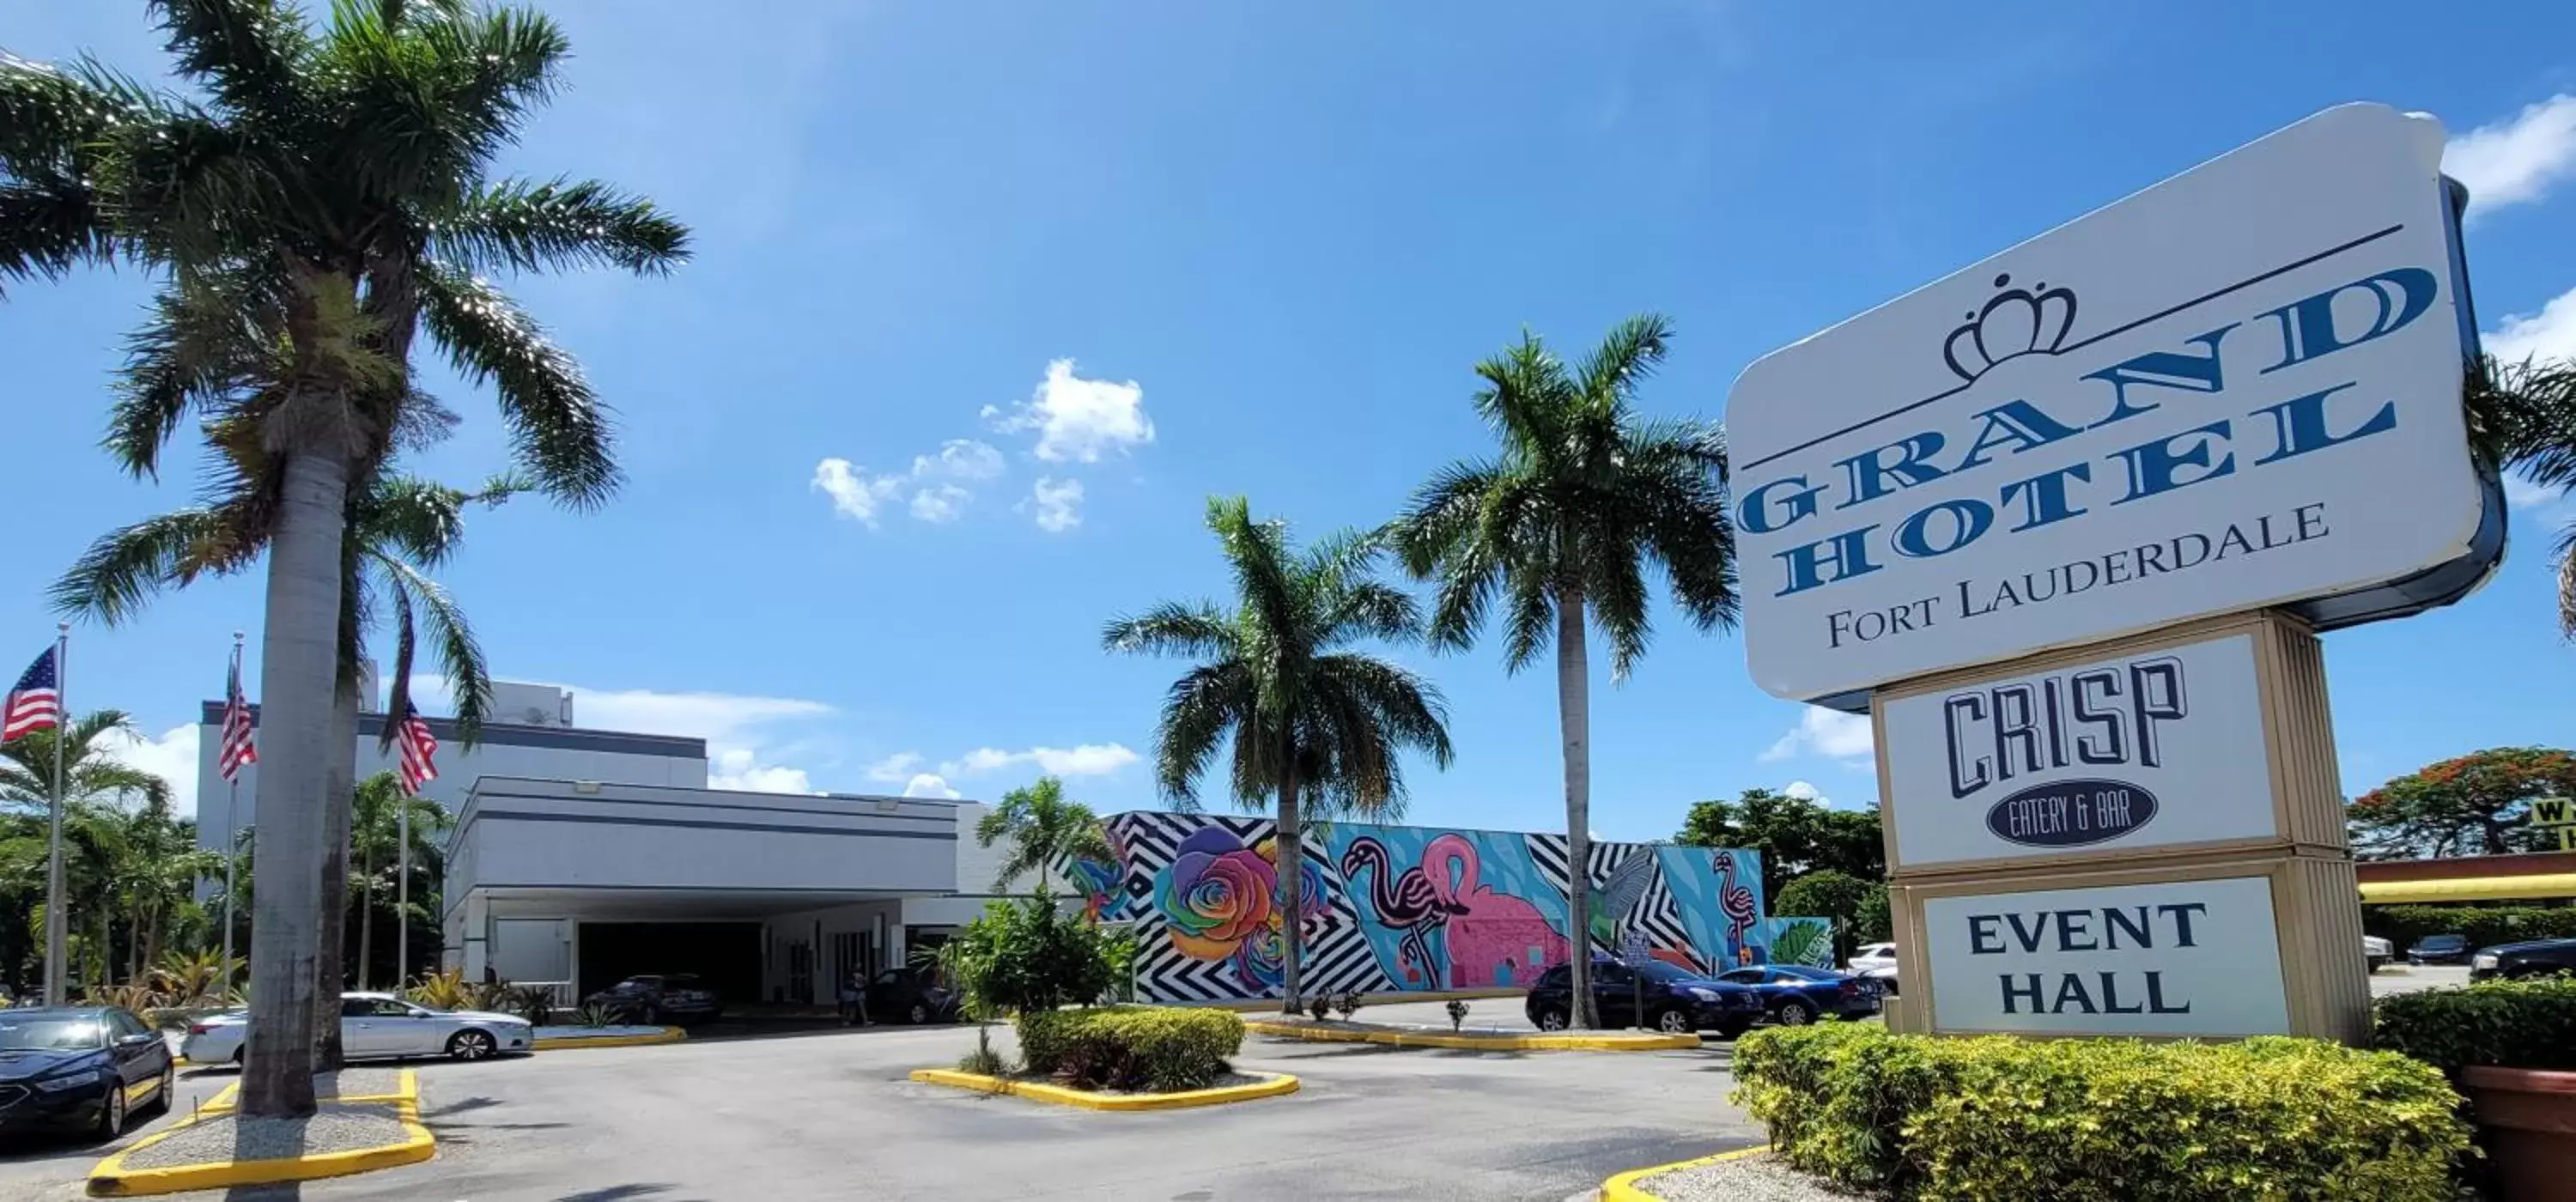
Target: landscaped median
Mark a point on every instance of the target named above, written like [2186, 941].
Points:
[1638, 1185]
[549, 1039]
[1267, 1085]
[359, 1127]
[1483, 1041]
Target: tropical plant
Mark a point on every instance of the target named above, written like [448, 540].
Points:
[91, 771]
[194, 978]
[377, 839]
[1315, 725]
[2522, 417]
[1796, 836]
[321, 199]
[1457, 1014]
[1319, 1005]
[126, 855]
[595, 1016]
[1858, 908]
[2475, 804]
[446, 989]
[1803, 943]
[1348, 1004]
[1558, 530]
[1040, 828]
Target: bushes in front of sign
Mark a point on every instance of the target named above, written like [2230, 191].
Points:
[1162, 1049]
[1998, 1117]
[2515, 1024]
[2484, 925]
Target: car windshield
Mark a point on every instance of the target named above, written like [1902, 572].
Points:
[2446, 941]
[1657, 970]
[51, 1034]
[1812, 974]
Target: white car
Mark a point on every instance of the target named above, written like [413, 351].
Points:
[377, 1026]
[1876, 962]
[2377, 952]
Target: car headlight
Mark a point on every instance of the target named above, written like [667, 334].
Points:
[85, 1077]
[2482, 960]
[1705, 995]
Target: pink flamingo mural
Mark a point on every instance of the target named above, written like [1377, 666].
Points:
[1736, 901]
[1494, 938]
[1403, 902]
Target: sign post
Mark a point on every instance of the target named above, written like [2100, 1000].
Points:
[1632, 951]
[2066, 525]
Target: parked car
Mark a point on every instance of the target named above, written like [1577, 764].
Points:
[678, 997]
[2439, 949]
[912, 995]
[379, 1026]
[2377, 952]
[1676, 999]
[80, 1068]
[1876, 962]
[2531, 958]
[1794, 995]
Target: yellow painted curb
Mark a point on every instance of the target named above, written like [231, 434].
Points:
[111, 1179]
[1624, 1188]
[1598, 1042]
[1374, 999]
[668, 1035]
[1276, 1085]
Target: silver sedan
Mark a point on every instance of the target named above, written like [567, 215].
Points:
[379, 1026]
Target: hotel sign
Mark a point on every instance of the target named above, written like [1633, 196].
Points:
[2119, 755]
[2198, 957]
[2238, 389]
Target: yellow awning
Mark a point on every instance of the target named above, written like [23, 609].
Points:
[2475, 888]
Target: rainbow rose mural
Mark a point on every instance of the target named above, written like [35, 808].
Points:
[1387, 909]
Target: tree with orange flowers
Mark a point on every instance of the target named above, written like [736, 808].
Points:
[2477, 804]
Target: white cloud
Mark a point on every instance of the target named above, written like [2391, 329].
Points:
[1058, 504]
[960, 458]
[172, 757]
[2520, 493]
[945, 503]
[1078, 420]
[1803, 791]
[1825, 732]
[925, 784]
[1089, 759]
[747, 736]
[855, 494]
[899, 766]
[2518, 160]
[2548, 334]
[737, 768]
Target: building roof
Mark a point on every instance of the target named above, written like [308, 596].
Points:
[510, 734]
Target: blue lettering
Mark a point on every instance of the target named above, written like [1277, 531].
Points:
[2019, 423]
[2163, 369]
[1808, 562]
[2044, 496]
[1756, 513]
[1869, 475]
[2012, 992]
[2155, 467]
[2308, 326]
[2299, 425]
[1983, 938]
[1970, 519]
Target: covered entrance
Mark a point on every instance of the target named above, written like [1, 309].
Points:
[725, 955]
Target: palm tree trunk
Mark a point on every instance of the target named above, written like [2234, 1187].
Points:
[299, 668]
[367, 915]
[1289, 846]
[1574, 716]
[339, 795]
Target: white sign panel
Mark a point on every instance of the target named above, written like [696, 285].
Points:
[2238, 388]
[2181, 958]
[2124, 754]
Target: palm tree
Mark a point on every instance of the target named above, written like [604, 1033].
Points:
[2523, 418]
[1559, 527]
[1312, 724]
[319, 200]
[379, 804]
[398, 531]
[89, 771]
[1043, 829]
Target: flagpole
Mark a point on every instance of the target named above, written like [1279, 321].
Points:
[232, 815]
[402, 892]
[54, 856]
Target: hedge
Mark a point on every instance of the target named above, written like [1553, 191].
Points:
[1157, 1049]
[2484, 925]
[2101, 1120]
[2517, 1024]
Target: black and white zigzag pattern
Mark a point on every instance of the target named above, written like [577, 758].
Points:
[1652, 907]
[1338, 956]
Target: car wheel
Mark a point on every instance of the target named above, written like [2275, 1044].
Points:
[1551, 1020]
[918, 1015]
[1796, 1014]
[1733, 1030]
[111, 1113]
[1673, 1022]
[169, 1088]
[470, 1045]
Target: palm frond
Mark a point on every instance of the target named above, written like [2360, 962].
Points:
[520, 225]
[559, 430]
[1173, 628]
[249, 53]
[126, 568]
[1627, 355]
[460, 657]
[1204, 704]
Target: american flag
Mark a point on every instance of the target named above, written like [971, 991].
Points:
[418, 748]
[236, 748]
[36, 701]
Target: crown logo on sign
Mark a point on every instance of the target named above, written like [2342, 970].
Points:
[2015, 322]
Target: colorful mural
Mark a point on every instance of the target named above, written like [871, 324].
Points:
[1390, 908]
[1808, 941]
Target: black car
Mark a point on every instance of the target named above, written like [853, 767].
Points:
[2439, 949]
[2533, 958]
[654, 998]
[1676, 1000]
[912, 995]
[80, 1068]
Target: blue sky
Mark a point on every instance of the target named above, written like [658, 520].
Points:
[989, 298]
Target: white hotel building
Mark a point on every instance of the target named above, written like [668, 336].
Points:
[583, 856]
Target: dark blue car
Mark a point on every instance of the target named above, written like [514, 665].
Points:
[80, 1068]
[1677, 1001]
[1794, 995]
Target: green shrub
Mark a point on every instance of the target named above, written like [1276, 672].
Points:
[2517, 1024]
[1157, 1049]
[1031, 955]
[2484, 925]
[2101, 1120]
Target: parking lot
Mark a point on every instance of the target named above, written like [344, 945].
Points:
[831, 1115]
